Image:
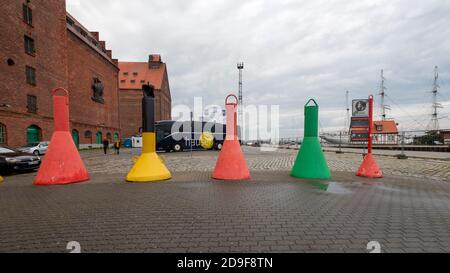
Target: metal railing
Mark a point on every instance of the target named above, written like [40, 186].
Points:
[408, 140]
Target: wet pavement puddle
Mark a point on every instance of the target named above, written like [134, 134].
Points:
[330, 187]
[348, 187]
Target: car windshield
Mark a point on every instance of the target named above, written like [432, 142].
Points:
[4, 150]
[29, 145]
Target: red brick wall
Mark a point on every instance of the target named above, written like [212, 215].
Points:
[446, 135]
[61, 60]
[85, 64]
[130, 112]
[166, 99]
[50, 62]
[131, 108]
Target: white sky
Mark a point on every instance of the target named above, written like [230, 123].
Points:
[292, 50]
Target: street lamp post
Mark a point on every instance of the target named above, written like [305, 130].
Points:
[240, 67]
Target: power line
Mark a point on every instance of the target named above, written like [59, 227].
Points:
[404, 111]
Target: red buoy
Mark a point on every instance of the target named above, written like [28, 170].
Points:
[231, 164]
[369, 167]
[62, 163]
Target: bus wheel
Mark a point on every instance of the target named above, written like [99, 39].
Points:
[178, 147]
[219, 146]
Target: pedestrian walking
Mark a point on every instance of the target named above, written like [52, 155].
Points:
[117, 145]
[105, 145]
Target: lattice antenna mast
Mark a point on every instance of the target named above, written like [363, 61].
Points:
[382, 93]
[240, 67]
[434, 124]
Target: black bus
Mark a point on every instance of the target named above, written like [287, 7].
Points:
[181, 135]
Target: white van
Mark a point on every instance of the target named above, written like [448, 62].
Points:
[136, 142]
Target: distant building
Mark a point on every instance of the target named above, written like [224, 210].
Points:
[445, 135]
[385, 132]
[131, 78]
[43, 47]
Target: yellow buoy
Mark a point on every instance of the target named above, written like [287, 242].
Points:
[207, 140]
[148, 167]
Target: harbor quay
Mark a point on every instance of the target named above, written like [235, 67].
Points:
[405, 211]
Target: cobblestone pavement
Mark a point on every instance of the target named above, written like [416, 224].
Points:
[192, 213]
[281, 159]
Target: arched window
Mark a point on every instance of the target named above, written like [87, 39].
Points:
[109, 137]
[88, 136]
[34, 134]
[116, 136]
[2, 133]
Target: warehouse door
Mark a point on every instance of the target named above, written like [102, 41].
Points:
[98, 138]
[76, 138]
[33, 134]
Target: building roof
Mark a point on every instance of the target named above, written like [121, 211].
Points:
[387, 127]
[134, 74]
[89, 38]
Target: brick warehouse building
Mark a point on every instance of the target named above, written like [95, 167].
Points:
[132, 76]
[19, 89]
[43, 47]
[36, 58]
[96, 112]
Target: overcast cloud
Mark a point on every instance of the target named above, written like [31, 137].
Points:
[292, 50]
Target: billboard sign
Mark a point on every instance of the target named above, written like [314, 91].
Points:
[359, 129]
[360, 108]
[360, 123]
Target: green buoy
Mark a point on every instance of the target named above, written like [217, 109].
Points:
[311, 162]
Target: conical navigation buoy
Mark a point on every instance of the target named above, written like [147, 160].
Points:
[311, 162]
[62, 163]
[149, 167]
[231, 164]
[369, 167]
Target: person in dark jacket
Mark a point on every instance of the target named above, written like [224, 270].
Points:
[117, 145]
[105, 145]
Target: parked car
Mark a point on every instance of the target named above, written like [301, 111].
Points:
[12, 160]
[36, 148]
